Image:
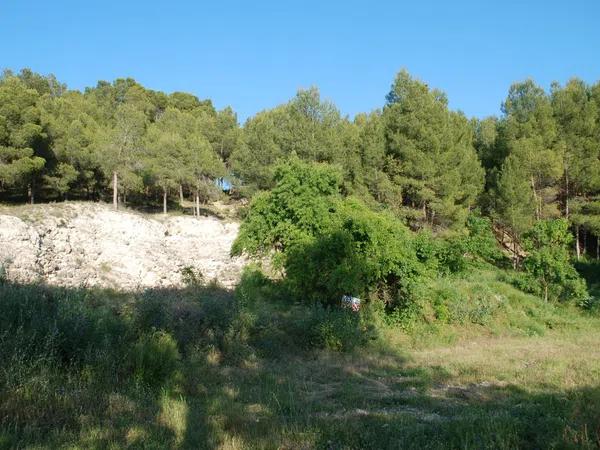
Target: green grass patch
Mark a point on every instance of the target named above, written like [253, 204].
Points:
[486, 366]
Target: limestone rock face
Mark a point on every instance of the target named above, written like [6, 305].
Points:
[19, 248]
[87, 244]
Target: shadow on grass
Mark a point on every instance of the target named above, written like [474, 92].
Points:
[242, 378]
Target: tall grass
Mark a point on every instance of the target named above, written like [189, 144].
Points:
[204, 368]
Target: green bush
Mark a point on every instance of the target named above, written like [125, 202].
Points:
[297, 208]
[481, 242]
[61, 323]
[155, 358]
[192, 277]
[457, 252]
[548, 262]
[369, 254]
[332, 328]
[193, 317]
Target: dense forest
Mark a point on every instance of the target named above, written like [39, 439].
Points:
[427, 165]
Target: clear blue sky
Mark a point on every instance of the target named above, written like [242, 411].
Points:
[253, 55]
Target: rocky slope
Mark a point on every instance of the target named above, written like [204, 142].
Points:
[88, 244]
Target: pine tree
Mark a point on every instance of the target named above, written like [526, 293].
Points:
[119, 147]
[20, 135]
[432, 158]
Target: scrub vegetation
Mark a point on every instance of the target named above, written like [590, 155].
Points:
[472, 244]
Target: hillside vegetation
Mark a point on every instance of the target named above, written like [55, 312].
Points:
[206, 368]
[468, 249]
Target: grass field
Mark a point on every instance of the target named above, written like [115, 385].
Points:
[241, 377]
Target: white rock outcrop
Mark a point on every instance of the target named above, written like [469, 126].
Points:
[87, 244]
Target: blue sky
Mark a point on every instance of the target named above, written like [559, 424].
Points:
[255, 55]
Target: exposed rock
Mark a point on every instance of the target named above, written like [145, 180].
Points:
[87, 244]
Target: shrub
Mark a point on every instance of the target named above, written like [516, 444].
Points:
[155, 357]
[333, 329]
[199, 317]
[4, 272]
[457, 252]
[369, 254]
[452, 254]
[191, 277]
[297, 208]
[481, 242]
[548, 263]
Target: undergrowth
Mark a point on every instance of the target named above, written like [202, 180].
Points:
[203, 367]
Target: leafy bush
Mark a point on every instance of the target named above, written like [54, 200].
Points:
[452, 301]
[155, 358]
[198, 317]
[192, 277]
[333, 329]
[329, 246]
[590, 270]
[369, 254]
[60, 323]
[452, 254]
[481, 242]
[457, 252]
[297, 208]
[548, 263]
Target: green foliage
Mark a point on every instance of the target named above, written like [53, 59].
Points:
[329, 246]
[548, 262]
[198, 317]
[155, 357]
[369, 254]
[431, 153]
[297, 209]
[192, 277]
[333, 329]
[62, 178]
[481, 242]
[458, 251]
[306, 127]
[63, 143]
[21, 135]
[92, 368]
[590, 271]
[415, 160]
[179, 154]
[515, 205]
[577, 117]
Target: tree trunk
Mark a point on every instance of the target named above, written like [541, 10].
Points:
[197, 204]
[515, 256]
[577, 249]
[537, 202]
[584, 248]
[598, 248]
[115, 190]
[546, 293]
[180, 195]
[30, 193]
[566, 194]
[164, 201]
[125, 196]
